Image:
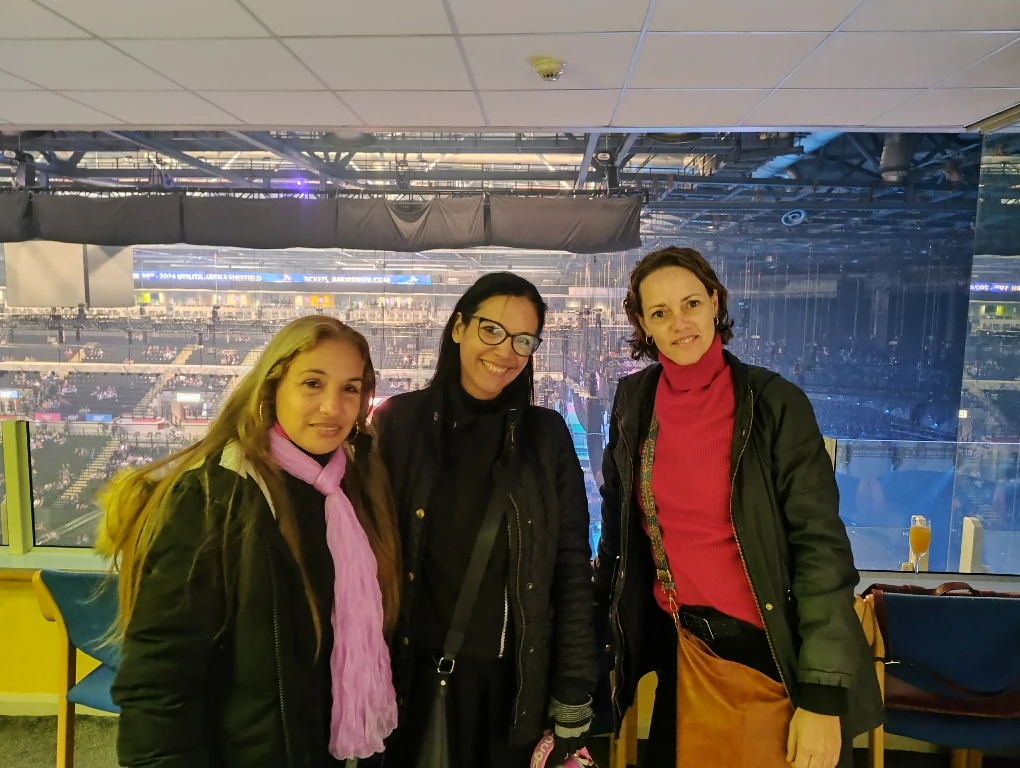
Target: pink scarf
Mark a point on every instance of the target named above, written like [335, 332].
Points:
[364, 703]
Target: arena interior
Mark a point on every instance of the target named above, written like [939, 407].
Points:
[862, 298]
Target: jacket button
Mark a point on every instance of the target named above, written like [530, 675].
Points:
[420, 514]
[529, 521]
[435, 416]
[531, 649]
[410, 577]
[400, 701]
[530, 585]
[768, 606]
[405, 640]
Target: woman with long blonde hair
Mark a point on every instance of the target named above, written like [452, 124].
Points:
[259, 573]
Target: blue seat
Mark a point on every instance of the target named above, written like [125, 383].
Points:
[957, 682]
[84, 608]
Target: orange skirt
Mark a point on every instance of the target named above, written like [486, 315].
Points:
[728, 715]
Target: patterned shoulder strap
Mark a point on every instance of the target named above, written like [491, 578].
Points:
[662, 571]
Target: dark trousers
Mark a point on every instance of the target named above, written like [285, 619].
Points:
[479, 708]
[750, 649]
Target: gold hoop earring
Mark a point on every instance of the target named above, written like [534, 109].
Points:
[352, 436]
[648, 340]
[261, 417]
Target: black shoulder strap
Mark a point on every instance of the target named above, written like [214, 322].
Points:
[468, 596]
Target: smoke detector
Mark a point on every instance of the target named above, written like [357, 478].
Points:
[547, 68]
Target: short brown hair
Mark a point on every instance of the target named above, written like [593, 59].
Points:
[686, 258]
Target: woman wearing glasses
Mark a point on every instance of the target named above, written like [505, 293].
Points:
[471, 447]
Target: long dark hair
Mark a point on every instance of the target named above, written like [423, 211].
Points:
[692, 261]
[486, 287]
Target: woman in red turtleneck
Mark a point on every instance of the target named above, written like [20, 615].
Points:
[746, 502]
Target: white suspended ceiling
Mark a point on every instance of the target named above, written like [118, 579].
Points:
[465, 64]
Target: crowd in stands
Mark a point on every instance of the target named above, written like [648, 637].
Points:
[197, 382]
[59, 459]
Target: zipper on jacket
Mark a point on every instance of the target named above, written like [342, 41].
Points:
[520, 605]
[740, 549]
[617, 589]
[506, 620]
[279, 654]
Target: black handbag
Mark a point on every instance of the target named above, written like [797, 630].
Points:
[435, 750]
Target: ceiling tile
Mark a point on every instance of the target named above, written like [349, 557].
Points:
[758, 16]
[500, 17]
[596, 61]
[385, 63]
[684, 109]
[719, 61]
[284, 108]
[948, 15]
[949, 107]
[77, 65]
[39, 108]
[1000, 70]
[224, 65]
[810, 107]
[893, 59]
[160, 108]
[158, 18]
[24, 19]
[318, 18]
[415, 108]
[549, 109]
[12, 83]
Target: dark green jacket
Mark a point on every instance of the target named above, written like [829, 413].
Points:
[785, 509]
[215, 674]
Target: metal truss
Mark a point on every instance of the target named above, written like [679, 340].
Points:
[719, 184]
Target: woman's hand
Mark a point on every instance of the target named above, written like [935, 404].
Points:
[815, 740]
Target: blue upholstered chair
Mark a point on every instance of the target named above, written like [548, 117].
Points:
[953, 671]
[84, 608]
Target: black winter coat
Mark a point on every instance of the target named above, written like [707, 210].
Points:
[216, 677]
[785, 510]
[550, 591]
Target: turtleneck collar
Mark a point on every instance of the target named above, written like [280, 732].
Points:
[682, 378]
[322, 458]
[464, 407]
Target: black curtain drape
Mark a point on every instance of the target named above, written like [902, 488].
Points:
[573, 224]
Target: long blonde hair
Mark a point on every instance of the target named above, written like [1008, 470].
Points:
[136, 507]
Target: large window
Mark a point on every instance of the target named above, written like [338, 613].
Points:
[872, 313]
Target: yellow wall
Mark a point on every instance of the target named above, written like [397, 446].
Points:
[29, 651]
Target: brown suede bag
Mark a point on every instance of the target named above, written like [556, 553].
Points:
[728, 714]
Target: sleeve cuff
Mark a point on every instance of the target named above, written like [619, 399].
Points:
[823, 699]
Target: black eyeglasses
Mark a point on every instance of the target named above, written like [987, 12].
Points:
[492, 333]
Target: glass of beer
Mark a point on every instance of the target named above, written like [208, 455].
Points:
[920, 539]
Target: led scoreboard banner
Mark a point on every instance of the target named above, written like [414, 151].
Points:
[280, 278]
[995, 287]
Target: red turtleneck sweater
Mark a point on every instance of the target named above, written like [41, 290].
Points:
[691, 485]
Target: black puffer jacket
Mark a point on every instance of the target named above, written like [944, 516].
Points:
[550, 592]
[785, 510]
[222, 677]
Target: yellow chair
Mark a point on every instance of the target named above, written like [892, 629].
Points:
[84, 607]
